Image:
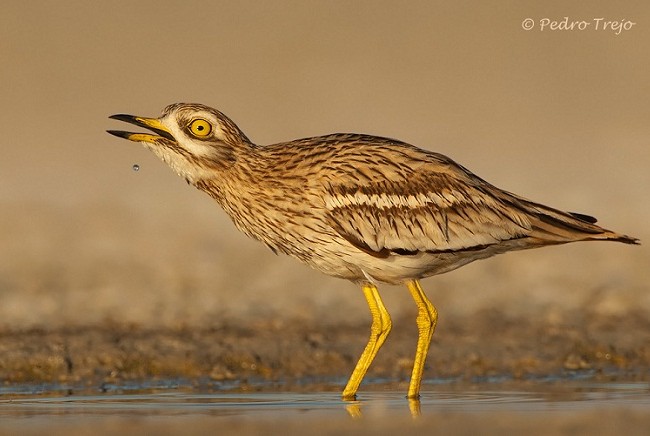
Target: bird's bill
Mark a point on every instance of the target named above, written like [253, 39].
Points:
[152, 124]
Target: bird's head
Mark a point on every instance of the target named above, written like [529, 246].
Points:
[193, 139]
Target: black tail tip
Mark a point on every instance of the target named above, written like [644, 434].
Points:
[627, 240]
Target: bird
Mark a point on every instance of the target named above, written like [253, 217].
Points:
[369, 209]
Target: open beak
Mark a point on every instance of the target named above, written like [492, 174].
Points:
[152, 124]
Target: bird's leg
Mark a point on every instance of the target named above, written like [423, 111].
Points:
[426, 320]
[381, 325]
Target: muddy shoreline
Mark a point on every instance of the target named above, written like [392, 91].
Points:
[295, 353]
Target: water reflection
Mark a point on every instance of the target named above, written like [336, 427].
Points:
[524, 397]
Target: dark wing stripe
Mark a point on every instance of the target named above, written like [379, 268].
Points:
[588, 218]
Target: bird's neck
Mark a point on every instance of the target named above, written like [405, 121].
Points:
[248, 190]
[230, 179]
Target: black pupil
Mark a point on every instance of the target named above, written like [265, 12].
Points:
[200, 128]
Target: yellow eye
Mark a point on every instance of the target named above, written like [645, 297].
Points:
[200, 128]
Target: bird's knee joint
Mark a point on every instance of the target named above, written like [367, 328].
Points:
[387, 327]
[382, 328]
[426, 321]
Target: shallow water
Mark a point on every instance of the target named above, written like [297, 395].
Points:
[165, 399]
[447, 407]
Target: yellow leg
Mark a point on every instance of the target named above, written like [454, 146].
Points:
[381, 325]
[426, 320]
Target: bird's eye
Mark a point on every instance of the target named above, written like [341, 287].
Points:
[200, 128]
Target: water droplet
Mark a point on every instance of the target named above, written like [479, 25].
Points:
[136, 167]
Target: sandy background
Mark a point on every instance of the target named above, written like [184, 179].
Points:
[560, 117]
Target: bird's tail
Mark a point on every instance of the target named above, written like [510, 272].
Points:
[555, 226]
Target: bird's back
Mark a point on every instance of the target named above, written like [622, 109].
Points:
[351, 204]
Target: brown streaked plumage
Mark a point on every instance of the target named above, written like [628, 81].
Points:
[359, 207]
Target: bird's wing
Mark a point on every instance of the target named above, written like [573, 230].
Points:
[430, 211]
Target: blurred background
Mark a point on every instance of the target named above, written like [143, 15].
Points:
[560, 117]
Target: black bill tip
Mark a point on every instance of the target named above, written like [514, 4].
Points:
[119, 133]
[124, 117]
